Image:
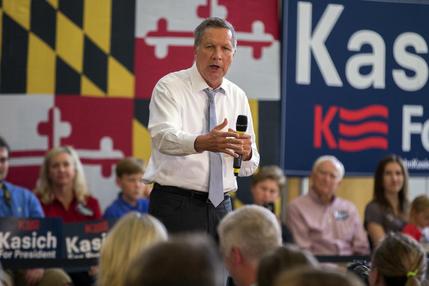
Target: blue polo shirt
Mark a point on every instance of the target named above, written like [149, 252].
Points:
[23, 203]
[120, 207]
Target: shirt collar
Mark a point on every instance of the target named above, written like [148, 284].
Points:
[72, 204]
[121, 199]
[315, 197]
[199, 84]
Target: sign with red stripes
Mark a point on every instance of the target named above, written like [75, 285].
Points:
[355, 77]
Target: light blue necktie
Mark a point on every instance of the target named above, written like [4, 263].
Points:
[216, 195]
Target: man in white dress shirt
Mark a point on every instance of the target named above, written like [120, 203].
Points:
[184, 138]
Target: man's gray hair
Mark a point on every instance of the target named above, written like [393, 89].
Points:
[214, 22]
[253, 229]
[337, 163]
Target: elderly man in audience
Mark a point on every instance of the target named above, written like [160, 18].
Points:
[322, 222]
[246, 235]
[19, 202]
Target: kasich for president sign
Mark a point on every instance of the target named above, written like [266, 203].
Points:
[355, 84]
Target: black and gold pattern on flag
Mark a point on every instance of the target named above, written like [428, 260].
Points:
[74, 47]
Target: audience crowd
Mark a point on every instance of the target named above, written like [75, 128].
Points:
[250, 249]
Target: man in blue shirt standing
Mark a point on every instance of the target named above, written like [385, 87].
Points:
[129, 178]
[19, 202]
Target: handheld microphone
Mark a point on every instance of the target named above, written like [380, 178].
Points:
[270, 206]
[241, 127]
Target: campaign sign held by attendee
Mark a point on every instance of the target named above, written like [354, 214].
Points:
[83, 240]
[30, 238]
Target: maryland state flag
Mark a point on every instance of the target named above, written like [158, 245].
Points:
[81, 72]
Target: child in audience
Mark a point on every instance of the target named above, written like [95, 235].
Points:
[266, 187]
[129, 174]
[419, 218]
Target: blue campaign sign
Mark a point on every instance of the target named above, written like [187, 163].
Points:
[39, 239]
[83, 240]
[355, 84]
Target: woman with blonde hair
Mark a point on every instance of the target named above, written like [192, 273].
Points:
[62, 187]
[399, 260]
[131, 234]
[63, 193]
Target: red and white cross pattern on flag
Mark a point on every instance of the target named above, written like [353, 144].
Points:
[165, 42]
[100, 129]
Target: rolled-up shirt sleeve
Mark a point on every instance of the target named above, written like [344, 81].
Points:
[164, 124]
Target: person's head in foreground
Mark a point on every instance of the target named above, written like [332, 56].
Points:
[285, 257]
[246, 235]
[308, 276]
[398, 260]
[186, 260]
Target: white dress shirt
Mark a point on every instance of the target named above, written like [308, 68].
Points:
[178, 113]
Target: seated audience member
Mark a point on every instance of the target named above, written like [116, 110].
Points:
[129, 178]
[19, 202]
[245, 236]
[317, 277]
[63, 192]
[419, 219]
[132, 234]
[398, 260]
[388, 209]
[283, 258]
[186, 260]
[266, 186]
[62, 187]
[322, 222]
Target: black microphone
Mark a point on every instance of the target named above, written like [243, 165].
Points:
[270, 206]
[241, 127]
